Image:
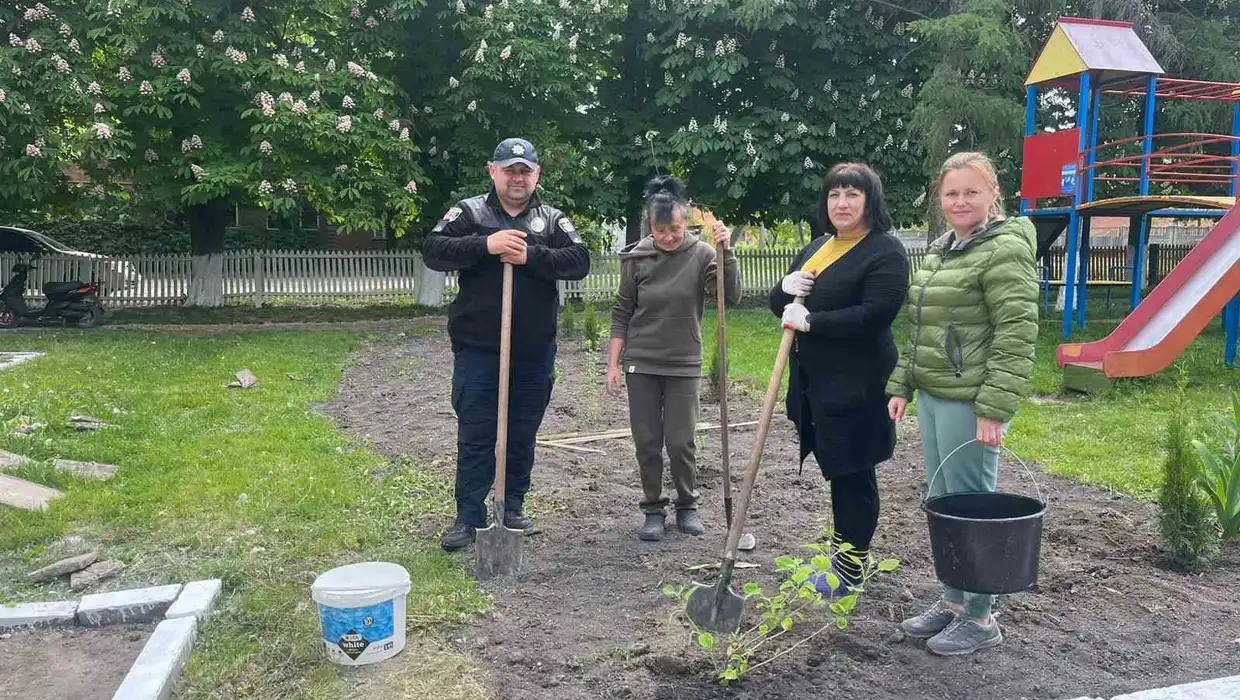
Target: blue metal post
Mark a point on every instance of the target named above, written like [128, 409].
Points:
[1147, 147]
[1235, 149]
[1095, 114]
[1231, 322]
[1070, 262]
[1147, 144]
[1031, 112]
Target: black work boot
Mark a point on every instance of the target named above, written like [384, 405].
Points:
[689, 522]
[460, 536]
[516, 521]
[652, 529]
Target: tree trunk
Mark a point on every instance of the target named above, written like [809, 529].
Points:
[800, 233]
[633, 210]
[635, 91]
[762, 236]
[936, 224]
[429, 284]
[206, 238]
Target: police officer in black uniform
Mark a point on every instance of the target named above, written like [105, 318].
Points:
[475, 237]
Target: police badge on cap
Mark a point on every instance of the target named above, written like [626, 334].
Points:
[513, 151]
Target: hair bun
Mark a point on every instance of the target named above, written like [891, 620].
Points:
[666, 184]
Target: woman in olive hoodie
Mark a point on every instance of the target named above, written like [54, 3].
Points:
[973, 312]
[656, 346]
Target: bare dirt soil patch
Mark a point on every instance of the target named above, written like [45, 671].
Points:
[587, 618]
[75, 663]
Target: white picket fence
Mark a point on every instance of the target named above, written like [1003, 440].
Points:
[249, 277]
[280, 276]
[260, 277]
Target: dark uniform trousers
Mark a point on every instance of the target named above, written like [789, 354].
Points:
[475, 398]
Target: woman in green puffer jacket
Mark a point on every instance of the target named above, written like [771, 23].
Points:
[973, 309]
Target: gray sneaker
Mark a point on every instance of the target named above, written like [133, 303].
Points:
[964, 636]
[930, 622]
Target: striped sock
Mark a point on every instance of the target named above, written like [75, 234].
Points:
[850, 568]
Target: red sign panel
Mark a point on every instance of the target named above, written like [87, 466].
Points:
[1046, 156]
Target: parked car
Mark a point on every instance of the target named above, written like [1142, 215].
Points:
[112, 275]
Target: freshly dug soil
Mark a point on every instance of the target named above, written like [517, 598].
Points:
[75, 663]
[587, 619]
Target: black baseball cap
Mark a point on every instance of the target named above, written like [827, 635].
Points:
[514, 150]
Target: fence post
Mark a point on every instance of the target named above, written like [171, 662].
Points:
[260, 279]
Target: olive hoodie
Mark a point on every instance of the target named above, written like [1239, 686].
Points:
[660, 303]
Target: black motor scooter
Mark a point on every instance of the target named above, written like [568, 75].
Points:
[68, 303]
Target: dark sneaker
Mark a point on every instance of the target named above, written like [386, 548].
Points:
[965, 636]
[459, 537]
[652, 529]
[689, 522]
[516, 521]
[846, 585]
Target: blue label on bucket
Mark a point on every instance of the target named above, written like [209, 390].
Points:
[355, 629]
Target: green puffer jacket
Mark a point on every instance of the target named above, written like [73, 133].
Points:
[973, 310]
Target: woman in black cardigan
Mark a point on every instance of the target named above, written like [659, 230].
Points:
[854, 280]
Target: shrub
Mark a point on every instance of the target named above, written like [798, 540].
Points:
[783, 612]
[1183, 516]
[568, 321]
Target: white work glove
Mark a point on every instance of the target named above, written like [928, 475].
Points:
[796, 317]
[798, 284]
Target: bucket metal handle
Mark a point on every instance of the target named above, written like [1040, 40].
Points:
[1005, 448]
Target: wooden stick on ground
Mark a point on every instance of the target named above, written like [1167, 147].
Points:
[619, 433]
[715, 565]
[572, 448]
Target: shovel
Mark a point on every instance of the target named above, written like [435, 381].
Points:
[747, 540]
[718, 608]
[497, 549]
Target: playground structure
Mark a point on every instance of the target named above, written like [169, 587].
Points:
[1069, 178]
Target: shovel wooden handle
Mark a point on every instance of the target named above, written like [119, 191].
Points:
[722, 342]
[764, 425]
[501, 431]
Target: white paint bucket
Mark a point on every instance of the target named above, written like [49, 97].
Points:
[362, 611]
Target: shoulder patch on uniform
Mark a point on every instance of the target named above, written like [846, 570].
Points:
[567, 227]
[452, 214]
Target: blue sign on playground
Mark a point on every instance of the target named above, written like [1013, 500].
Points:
[1067, 179]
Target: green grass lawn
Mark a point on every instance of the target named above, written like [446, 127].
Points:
[254, 487]
[1113, 440]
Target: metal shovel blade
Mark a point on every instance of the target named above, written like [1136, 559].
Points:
[716, 608]
[497, 552]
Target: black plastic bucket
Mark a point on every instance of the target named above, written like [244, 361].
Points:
[985, 542]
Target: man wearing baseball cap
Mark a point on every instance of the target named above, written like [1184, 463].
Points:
[507, 225]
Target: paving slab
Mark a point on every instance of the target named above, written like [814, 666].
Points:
[196, 599]
[11, 460]
[1216, 689]
[37, 615]
[89, 470]
[154, 674]
[136, 605]
[19, 493]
